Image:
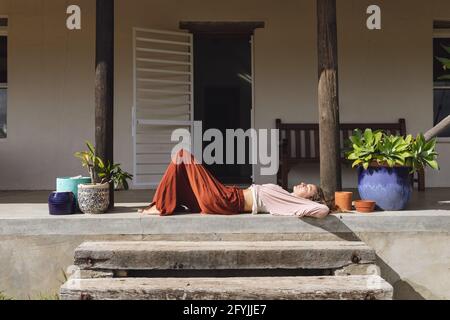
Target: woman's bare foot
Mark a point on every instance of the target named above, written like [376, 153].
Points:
[151, 210]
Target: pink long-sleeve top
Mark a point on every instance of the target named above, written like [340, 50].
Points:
[273, 199]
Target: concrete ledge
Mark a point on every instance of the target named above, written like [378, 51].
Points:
[33, 220]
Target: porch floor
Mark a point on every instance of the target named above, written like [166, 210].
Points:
[26, 213]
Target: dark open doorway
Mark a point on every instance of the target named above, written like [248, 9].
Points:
[223, 93]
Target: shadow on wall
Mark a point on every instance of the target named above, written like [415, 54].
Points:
[402, 289]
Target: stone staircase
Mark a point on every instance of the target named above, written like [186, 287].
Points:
[273, 270]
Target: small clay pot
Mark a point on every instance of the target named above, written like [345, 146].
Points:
[365, 206]
[344, 200]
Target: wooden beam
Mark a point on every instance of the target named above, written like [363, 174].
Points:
[438, 129]
[222, 27]
[440, 24]
[104, 83]
[330, 164]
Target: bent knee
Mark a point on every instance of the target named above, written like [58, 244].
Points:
[183, 156]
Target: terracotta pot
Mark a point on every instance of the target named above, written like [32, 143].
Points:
[365, 206]
[344, 200]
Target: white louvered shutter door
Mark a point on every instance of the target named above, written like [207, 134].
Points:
[163, 99]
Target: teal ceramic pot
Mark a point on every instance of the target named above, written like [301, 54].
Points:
[68, 184]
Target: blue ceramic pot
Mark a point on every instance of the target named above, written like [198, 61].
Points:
[61, 203]
[391, 188]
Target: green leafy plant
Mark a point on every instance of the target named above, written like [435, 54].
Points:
[121, 178]
[90, 161]
[115, 174]
[106, 171]
[101, 172]
[365, 147]
[371, 148]
[394, 150]
[445, 63]
[423, 153]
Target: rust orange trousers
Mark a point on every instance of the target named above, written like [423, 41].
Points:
[188, 183]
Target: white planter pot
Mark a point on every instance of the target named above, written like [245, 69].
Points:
[93, 199]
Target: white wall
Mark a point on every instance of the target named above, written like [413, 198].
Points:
[50, 95]
[384, 75]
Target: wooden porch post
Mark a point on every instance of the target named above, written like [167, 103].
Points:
[330, 162]
[104, 83]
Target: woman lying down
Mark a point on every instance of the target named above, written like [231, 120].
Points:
[188, 185]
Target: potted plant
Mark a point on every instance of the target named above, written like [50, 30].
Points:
[386, 163]
[93, 198]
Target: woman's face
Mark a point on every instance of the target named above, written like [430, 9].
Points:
[306, 191]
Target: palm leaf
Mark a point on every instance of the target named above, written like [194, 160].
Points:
[445, 62]
[433, 164]
[445, 77]
[101, 164]
[446, 48]
[90, 147]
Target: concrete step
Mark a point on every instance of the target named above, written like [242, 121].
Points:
[288, 288]
[288, 255]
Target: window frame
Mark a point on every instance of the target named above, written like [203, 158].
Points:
[440, 33]
[4, 33]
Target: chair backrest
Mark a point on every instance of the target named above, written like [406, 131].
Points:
[300, 141]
